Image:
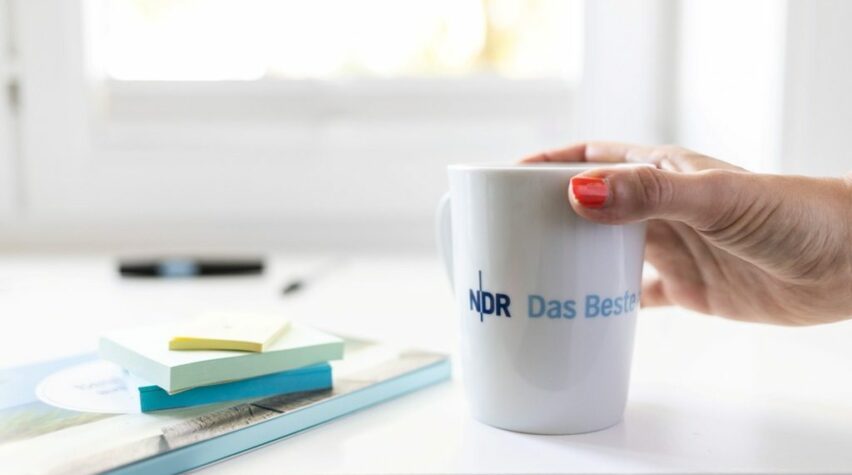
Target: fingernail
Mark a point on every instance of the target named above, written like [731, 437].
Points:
[590, 192]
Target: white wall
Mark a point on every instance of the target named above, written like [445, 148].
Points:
[729, 80]
[767, 84]
[627, 71]
[817, 130]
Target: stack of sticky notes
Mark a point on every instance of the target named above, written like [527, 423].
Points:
[223, 357]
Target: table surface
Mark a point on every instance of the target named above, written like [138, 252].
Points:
[707, 395]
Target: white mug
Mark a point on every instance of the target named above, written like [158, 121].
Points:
[547, 299]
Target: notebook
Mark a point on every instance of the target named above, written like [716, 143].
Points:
[145, 353]
[311, 378]
[38, 438]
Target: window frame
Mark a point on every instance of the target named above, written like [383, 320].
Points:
[306, 104]
[8, 152]
[85, 161]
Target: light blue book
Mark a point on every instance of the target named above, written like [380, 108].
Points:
[32, 431]
[311, 378]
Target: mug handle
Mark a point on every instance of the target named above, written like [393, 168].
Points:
[444, 232]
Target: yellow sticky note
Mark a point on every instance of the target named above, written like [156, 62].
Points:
[229, 331]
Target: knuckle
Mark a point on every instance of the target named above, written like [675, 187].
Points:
[672, 149]
[655, 189]
[674, 157]
[728, 216]
[717, 179]
[668, 152]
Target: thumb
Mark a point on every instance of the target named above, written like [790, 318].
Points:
[634, 193]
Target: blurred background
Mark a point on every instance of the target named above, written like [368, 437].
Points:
[327, 124]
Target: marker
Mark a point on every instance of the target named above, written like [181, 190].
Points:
[189, 267]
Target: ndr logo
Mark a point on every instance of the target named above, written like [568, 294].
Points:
[487, 303]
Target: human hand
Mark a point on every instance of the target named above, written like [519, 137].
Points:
[748, 246]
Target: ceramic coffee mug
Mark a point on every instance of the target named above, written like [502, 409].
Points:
[547, 299]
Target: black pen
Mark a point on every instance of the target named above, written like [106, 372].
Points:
[190, 267]
[299, 283]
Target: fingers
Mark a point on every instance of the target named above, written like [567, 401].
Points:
[667, 157]
[574, 153]
[591, 152]
[667, 251]
[636, 193]
[618, 152]
[654, 294]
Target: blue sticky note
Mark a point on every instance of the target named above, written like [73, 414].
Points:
[310, 378]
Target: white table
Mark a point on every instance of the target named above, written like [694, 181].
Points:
[708, 395]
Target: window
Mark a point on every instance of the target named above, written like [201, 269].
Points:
[178, 74]
[8, 188]
[275, 39]
[332, 117]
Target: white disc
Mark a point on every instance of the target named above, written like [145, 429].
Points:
[96, 386]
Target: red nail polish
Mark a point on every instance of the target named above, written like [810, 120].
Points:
[590, 192]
